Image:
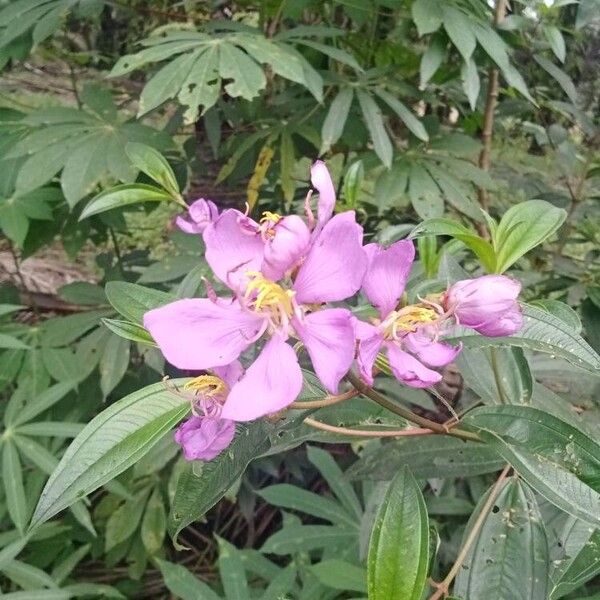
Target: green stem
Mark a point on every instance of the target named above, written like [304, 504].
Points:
[392, 406]
[113, 237]
[497, 379]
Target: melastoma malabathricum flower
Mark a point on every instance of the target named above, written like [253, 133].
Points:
[282, 302]
[408, 335]
[201, 213]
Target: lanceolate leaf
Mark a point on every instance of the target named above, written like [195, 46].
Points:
[336, 118]
[399, 548]
[509, 558]
[109, 444]
[133, 301]
[542, 332]
[555, 458]
[374, 121]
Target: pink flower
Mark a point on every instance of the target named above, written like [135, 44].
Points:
[206, 433]
[408, 335]
[236, 244]
[204, 438]
[204, 333]
[487, 304]
[200, 214]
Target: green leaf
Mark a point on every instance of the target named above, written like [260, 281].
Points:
[431, 60]
[427, 457]
[334, 476]
[154, 523]
[202, 86]
[41, 403]
[133, 301]
[152, 163]
[340, 575]
[113, 441]
[124, 521]
[557, 41]
[183, 583]
[374, 122]
[129, 331]
[427, 16]
[247, 77]
[565, 82]
[470, 81]
[390, 187]
[61, 331]
[113, 363]
[523, 227]
[497, 375]
[197, 493]
[336, 118]
[293, 539]
[14, 491]
[424, 193]
[123, 195]
[82, 293]
[399, 547]
[509, 558]
[8, 341]
[406, 116]
[458, 27]
[232, 572]
[561, 311]
[542, 332]
[290, 496]
[556, 459]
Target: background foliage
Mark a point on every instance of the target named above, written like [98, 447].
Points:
[114, 114]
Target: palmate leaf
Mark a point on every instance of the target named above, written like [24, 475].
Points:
[200, 64]
[87, 145]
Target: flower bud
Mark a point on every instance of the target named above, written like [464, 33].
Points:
[200, 214]
[482, 301]
[508, 324]
[204, 438]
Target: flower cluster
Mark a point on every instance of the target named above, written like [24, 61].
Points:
[283, 273]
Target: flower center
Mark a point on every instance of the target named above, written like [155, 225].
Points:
[267, 296]
[267, 224]
[407, 320]
[207, 385]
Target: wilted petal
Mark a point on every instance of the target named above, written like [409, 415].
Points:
[200, 214]
[483, 299]
[369, 344]
[321, 181]
[432, 354]
[508, 324]
[285, 249]
[196, 333]
[387, 272]
[272, 382]
[204, 438]
[335, 265]
[328, 336]
[408, 369]
[233, 248]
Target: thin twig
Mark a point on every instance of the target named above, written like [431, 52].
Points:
[118, 255]
[392, 406]
[367, 432]
[442, 588]
[327, 401]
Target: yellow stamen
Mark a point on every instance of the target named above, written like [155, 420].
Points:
[270, 295]
[270, 216]
[207, 385]
[409, 318]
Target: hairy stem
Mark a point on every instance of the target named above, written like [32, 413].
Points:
[327, 401]
[367, 432]
[442, 588]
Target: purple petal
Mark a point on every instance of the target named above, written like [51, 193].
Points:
[328, 336]
[233, 247]
[432, 354]
[200, 214]
[408, 369]
[199, 334]
[386, 275]
[481, 300]
[272, 382]
[204, 438]
[321, 181]
[230, 373]
[335, 265]
[286, 248]
[369, 344]
[508, 324]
